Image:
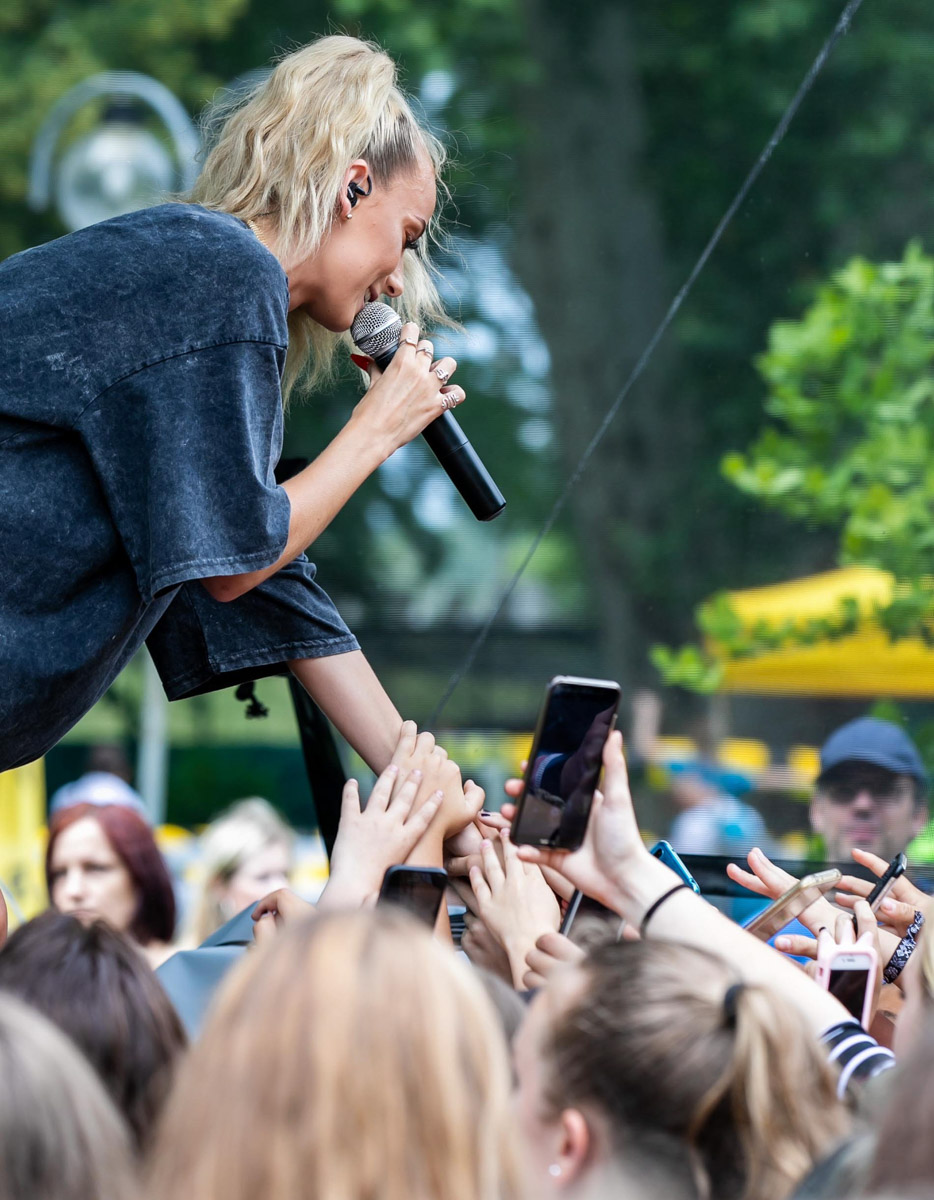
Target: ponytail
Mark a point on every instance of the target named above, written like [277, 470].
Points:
[663, 1039]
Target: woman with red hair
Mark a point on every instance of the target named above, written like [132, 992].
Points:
[102, 862]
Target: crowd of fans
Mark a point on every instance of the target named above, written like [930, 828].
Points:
[352, 1053]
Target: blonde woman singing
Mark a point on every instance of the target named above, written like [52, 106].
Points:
[143, 369]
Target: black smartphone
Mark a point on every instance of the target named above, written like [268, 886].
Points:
[419, 890]
[584, 906]
[896, 868]
[564, 763]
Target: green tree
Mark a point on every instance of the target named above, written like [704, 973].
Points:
[850, 446]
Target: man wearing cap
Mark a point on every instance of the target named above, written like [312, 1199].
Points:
[871, 792]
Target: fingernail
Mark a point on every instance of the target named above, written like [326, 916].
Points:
[782, 943]
[486, 844]
[485, 812]
[889, 905]
[393, 769]
[416, 774]
[361, 361]
[438, 795]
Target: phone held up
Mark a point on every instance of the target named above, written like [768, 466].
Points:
[419, 890]
[798, 897]
[849, 973]
[564, 763]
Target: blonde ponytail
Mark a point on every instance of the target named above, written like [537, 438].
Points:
[282, 155]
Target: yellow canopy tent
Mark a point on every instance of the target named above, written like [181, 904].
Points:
[866, 663]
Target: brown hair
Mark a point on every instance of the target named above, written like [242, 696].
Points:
[97, 987]
[353, 1057]
[651, 1045]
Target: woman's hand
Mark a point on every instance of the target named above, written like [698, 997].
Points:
[483, 950]
[766, 879]
[461, 802]
[612, 843]
[515, 903]
[279, 908]
[551, 952]
[411, 392]
[369, 840]
[903, 901]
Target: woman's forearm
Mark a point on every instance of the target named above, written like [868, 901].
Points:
[316, 495]
[346, 689]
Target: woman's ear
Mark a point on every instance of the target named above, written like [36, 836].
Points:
[576, 1146]
[354, 182]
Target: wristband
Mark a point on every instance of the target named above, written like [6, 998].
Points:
[653, 909]
[904, 950]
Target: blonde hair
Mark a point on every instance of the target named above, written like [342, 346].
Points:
[649, 1042]
[283, 153]
[60, 1136]
[241, 831]
[352, 1058]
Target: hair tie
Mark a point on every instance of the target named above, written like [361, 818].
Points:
[729, 1004]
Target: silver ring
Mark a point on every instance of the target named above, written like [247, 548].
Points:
[444, 404]
[409, 342]
[443, 375]
[429, 350]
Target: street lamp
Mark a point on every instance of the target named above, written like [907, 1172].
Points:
[120, 166]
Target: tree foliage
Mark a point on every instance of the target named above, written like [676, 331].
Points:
[850, 446]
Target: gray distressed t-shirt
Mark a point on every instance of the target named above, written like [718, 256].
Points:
[140, 425]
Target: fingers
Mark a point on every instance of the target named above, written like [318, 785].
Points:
[350, 798]
[465, 894]
[865, 858]
[859, 887]
[542, 857]
[402, 799]
[481, 889]
[746, 879]
[562, 887]
[865, 919]
[452, 395]
[797, 944]
[844, 933]
[492, 869]
[405, 746]
[513, 787]
[382, 789]
[265, 929]
[417, 825]
[559, 947]
[444, 368]
[897, 913]
[474, 797]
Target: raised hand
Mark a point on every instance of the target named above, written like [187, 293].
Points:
[514, 902]
[766, 879]
[369, 840]
[612, 840]
[898, 910]
[551, 952]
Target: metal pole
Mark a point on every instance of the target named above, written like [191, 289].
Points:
[152, 764]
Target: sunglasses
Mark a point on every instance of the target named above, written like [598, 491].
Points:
[884, 789]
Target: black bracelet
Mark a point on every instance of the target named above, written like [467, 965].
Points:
[653, 909]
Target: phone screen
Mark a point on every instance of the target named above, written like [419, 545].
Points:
[418, 892]
[565, 764]
[849, 987]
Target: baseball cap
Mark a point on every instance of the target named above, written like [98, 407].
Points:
[871, 740]
[101, 788]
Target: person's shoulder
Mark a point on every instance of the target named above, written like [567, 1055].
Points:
[216, 241]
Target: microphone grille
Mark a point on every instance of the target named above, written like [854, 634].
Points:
[376, 328]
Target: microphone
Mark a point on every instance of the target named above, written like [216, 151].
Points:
[376, 331]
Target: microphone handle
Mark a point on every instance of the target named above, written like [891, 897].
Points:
[449, 444]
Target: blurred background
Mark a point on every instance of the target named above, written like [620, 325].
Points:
[780, 438]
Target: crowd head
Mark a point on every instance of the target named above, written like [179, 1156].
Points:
[871, 793]
[353, 1057]
[102, 861]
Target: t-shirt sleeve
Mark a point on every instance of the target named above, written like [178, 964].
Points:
[201, 644]
[185, 451]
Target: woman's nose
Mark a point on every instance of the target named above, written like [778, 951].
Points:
[393, 285]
